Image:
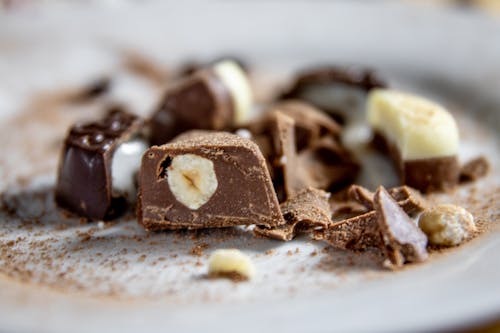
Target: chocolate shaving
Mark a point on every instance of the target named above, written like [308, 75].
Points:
[363, 231]
[307, 210]
[474, 169]
[403, 241]
[408, 198]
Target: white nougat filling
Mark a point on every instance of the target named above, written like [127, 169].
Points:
[126, 162]
[419, 128]
[235, 78]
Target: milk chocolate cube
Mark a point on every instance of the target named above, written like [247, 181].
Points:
[212, 98]
[98, 164]
[203, 180]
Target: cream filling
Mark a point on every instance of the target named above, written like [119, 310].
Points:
[419, 128]
[126, 162]
[235, 78]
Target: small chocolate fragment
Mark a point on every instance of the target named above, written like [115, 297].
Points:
[403, 240]
[90, 183]
[307, 210]
[420, 136]
[474, 169]
[93, 90]
[355, 233]
[204, 180]
[340, 91]
[213, 99]
[408, 199]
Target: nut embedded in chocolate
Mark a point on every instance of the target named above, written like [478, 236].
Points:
[214, 98]
[97, 166]
[420, 136]
[206, 179]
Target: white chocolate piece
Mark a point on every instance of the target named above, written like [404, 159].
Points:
[192, 180]
[420, 128]
[125, 163]
[447, 225]
[235, 78]
[227, 261]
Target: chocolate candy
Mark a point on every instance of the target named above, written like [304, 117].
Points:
[203, 180]
[213, 98]
[420, 136]
[97, 166]
[341, 91]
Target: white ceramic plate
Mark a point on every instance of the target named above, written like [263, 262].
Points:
[59, 275]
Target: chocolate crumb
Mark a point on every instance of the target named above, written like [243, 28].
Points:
[474, 169]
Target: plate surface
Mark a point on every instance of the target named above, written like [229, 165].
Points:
[59, 274]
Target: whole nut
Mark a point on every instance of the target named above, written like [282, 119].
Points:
[447, 224]
[227, 262]
[192, 180]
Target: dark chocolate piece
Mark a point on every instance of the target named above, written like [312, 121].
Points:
[84, 185]
[474, 169]
[199, 101]
[305, 211]
[365, 79]
[403, 240]
[204, 180]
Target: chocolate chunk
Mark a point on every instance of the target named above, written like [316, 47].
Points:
[204, 180]
[403, 240]
[340, 91]
[474, 169]
[327, 165]
[311, 124]
[274, 133]
[200, 101]
[90, 183]
[305, 211]
[215, 98]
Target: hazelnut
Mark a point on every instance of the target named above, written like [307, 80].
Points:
[447, 225]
